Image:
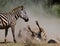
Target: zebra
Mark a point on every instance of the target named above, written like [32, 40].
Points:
[8, 20]
[39, 33]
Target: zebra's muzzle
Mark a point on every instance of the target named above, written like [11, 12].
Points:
[26, 20]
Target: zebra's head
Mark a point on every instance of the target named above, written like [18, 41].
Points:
[21, 12]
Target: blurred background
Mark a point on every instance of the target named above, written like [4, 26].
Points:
[46, 12]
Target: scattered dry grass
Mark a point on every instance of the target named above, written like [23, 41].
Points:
[28, 44]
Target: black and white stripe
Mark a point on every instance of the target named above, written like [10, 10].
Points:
[16, 16]
[4, 19]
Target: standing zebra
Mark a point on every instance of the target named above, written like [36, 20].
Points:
[9, 19]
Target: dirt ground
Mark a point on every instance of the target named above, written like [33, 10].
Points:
[27, 44]
[21, 44]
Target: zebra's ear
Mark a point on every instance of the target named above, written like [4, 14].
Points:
[22, 7]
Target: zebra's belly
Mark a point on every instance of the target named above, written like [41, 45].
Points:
[4, 27]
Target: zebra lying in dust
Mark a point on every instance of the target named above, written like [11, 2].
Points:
[8, 20]
[39, 33]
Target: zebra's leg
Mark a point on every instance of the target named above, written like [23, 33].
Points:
[6, 32]
[13, 29]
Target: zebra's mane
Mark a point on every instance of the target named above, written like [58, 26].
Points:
[16, 8]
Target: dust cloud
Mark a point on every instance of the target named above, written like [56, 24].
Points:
[35, 11]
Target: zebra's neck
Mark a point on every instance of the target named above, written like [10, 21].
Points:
[16, 15]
